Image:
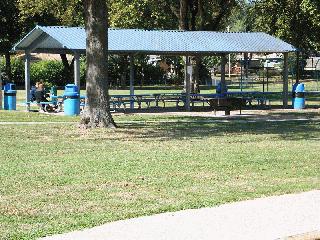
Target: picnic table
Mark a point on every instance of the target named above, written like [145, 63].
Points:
[215, 101]
[227, 104]
[261, 98]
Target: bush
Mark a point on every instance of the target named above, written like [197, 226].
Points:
[49, 72]
[17, 70]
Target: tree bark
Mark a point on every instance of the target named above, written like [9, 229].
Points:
[201, 15]
[193, 6]
[97, 110]
[183, 17]
[68, 68]
[8, 66]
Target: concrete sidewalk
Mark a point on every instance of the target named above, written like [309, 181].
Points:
[264, 218]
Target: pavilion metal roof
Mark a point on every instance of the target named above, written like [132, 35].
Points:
[60, 39]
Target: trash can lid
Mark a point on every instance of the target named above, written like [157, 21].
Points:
[9, 86]
[300, 88]
[71, 88]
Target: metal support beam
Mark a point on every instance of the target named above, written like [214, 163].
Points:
[223, 73]
[77, 70]
[27, 78]
[246, 64]
[131, 81]
[187, 81]
[285, 80]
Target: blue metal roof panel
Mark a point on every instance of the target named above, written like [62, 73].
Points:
[159, 41]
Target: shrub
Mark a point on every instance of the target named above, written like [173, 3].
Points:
[17, 70]
[50, 72]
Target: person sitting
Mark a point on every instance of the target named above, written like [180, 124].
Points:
[33, 92]
[41, 96]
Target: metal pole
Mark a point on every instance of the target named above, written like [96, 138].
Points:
[131, 81]
[77, 70]
[27, 78]
[285, 80]
[223, 73]
[246, 65]
[297, 67]
[187, 78]
[241, 76]
[229, 61]
[262, 81]
[317, 74]
[267, 79]
[267, 73]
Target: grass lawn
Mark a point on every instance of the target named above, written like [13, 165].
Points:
[56, 178]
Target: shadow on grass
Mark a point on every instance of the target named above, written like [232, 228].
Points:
[288, 126]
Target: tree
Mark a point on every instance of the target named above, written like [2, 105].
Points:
[143, 14]
[52, 12]
[200, 15]
[10, 30]
[295, 21]
[97, 112]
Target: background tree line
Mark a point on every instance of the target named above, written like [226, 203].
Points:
[295, 21]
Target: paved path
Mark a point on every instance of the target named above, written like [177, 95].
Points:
[265, 218]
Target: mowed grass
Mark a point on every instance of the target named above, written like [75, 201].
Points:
[57, 178]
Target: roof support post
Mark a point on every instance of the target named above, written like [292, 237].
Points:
[27, 78]
[246, 64]
[285, 80]
[223, 73]
[77, 70]
[297, 67]
[131, 82]
[187, 81]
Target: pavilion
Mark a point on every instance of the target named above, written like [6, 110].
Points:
[72, 40]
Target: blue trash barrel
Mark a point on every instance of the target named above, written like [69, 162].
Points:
[10, 97]
[299, 100]
[71, 100]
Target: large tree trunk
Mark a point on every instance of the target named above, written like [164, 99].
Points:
[8, 66]
[68, 69]
[183, 16]
[97, 110]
